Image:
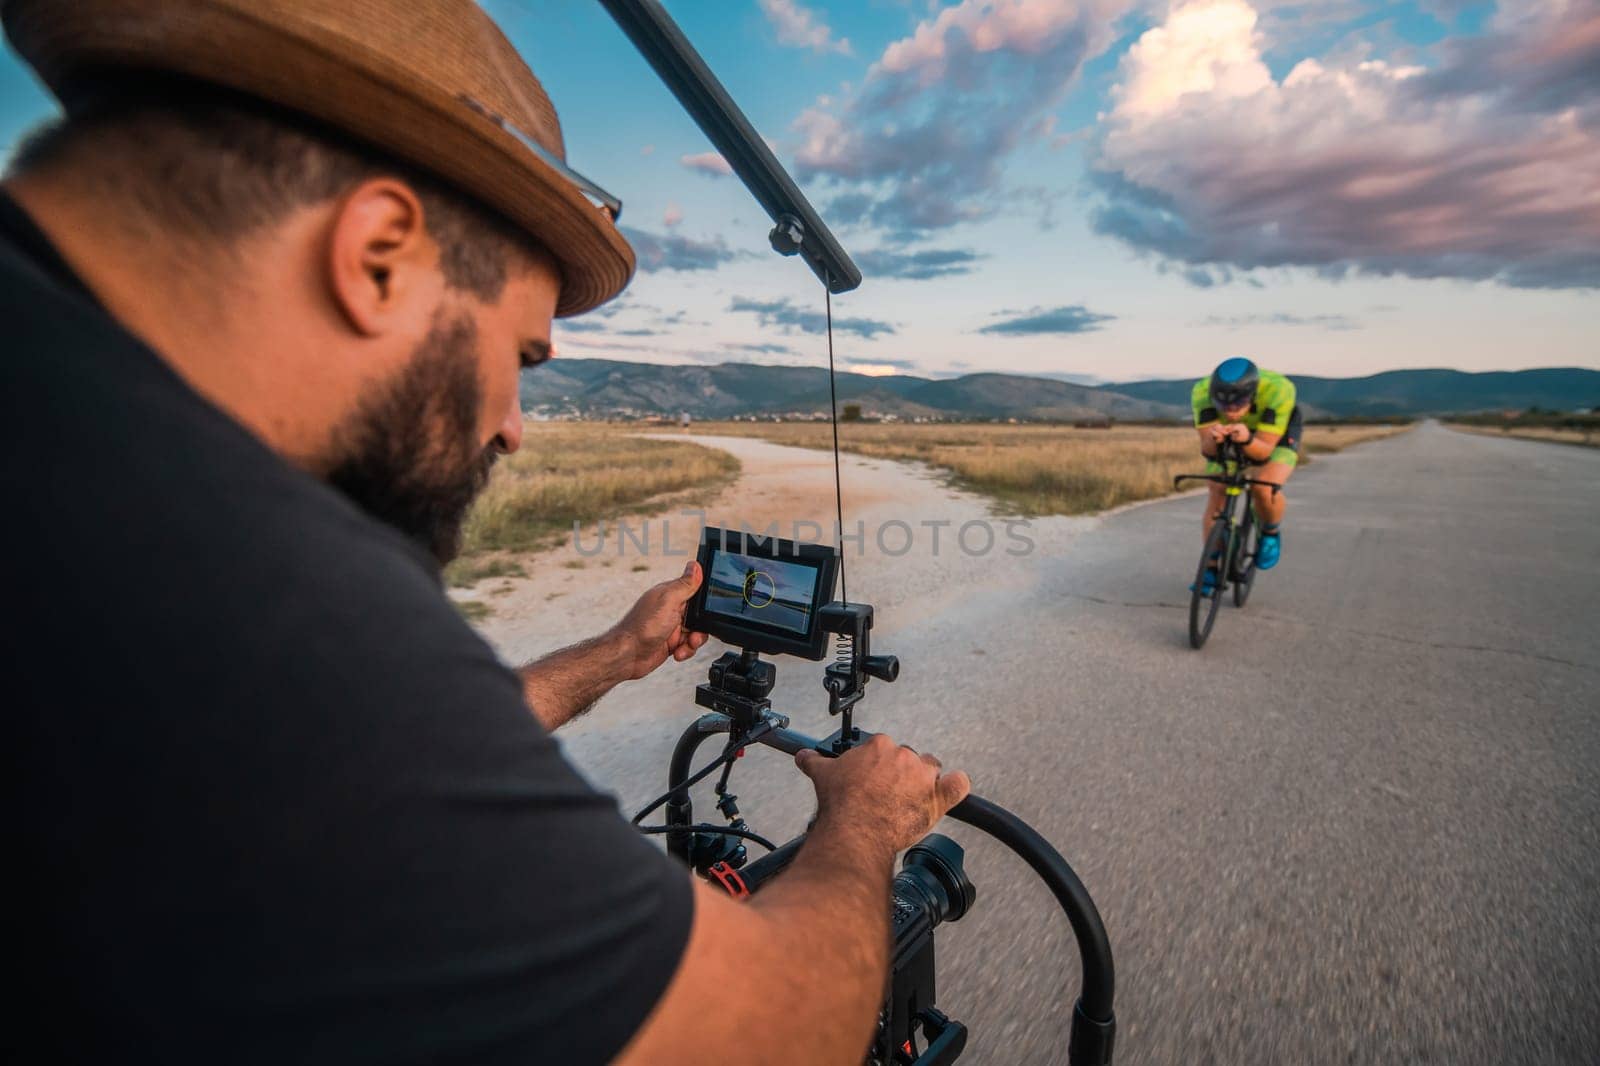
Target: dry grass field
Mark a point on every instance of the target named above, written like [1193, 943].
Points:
[1034, 470]
[567, 472]
[580, 471]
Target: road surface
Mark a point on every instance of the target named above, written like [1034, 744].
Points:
[1361, 826]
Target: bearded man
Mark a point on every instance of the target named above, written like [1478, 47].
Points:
[268, 287]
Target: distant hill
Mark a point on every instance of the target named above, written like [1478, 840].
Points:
[598, 387]
[1415, 392]
[605, 386]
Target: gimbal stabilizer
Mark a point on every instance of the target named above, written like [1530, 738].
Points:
[930, 889]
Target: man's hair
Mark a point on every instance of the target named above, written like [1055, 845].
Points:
[216, 165]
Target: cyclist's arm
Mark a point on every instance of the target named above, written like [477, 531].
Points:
[1205, 417]
[796, 975]
[1261, 445]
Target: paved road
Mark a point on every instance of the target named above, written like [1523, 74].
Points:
[1361, 826]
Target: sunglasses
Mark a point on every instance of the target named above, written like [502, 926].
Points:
[606, 202]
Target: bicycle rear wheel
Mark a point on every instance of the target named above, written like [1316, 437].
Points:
[1203, 606]
[1244, 557]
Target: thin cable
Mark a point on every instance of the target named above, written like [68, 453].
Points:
[721, 830]
[838, 492]
[729, 753]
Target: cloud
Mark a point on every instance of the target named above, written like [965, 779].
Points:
[710, 163]
[1074, 318]
[672, 215]
[921, 144]
[672, 251]
[783, 315]
[582, 325]
[768, 348]
[917, 266]
[892, 364]
[1483, 168]
[801, 27]
[1282, 318]
[647, 149]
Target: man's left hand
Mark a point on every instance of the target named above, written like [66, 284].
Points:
[653, 629]
[1238, 432]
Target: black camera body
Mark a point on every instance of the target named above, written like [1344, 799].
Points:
[930, 889]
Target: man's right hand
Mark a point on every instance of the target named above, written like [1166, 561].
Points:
[882, 789]
[816, 939]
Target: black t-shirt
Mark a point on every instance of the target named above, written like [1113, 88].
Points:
[272, 800]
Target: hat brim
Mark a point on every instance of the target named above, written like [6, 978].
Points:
[293, 63]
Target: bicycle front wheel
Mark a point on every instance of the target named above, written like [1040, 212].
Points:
[1203, 605]
[1244, 558]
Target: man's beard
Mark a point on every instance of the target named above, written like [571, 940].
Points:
[409, 455]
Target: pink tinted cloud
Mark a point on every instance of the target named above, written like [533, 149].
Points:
[1471, 170]
[801, 27]
[921, 144]
[707, 163]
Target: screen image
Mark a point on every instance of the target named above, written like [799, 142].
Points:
[772, 592]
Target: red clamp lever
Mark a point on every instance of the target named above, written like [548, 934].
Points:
[729, 879]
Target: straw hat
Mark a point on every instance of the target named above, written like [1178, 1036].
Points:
[433, 82]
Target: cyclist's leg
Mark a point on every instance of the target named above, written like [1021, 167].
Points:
[1214, 500]
[1213, 503]
[1270, 506]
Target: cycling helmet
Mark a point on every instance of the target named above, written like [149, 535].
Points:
[1234, 383]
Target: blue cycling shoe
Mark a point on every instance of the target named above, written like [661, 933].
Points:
[1269, 550]
[1210, 582]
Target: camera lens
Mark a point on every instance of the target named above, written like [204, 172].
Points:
[933, 879]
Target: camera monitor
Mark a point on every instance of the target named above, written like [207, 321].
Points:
[763, 593]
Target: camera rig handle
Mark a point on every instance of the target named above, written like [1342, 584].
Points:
[1093, 1033]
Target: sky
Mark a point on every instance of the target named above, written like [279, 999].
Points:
[1099, 190]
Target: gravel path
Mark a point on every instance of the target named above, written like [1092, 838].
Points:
[1362, 826]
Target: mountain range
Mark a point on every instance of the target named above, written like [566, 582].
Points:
[605, 387]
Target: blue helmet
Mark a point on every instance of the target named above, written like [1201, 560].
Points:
[1234, 382]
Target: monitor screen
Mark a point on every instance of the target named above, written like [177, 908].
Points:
[772, 592]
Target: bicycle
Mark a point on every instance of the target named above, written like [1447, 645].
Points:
[1231, 545]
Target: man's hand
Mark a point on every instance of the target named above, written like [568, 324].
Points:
[882, 789]
[564, 684]
[1238, 432]
[653, 628]
[874, 800]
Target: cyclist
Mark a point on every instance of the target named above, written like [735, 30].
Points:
[268, 285]
[1255, 408]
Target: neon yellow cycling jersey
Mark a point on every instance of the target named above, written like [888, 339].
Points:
[1270, 413]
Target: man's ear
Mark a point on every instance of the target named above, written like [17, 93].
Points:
[382, 265]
